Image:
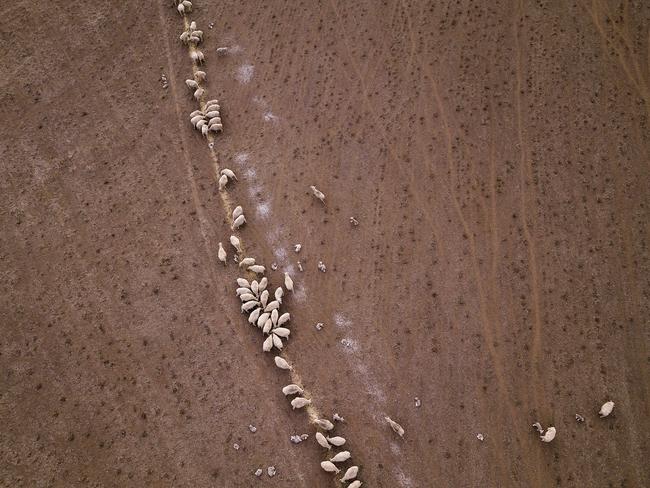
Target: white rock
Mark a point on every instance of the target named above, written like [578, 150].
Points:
[271, 471]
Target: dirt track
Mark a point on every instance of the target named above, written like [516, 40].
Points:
[497, 159]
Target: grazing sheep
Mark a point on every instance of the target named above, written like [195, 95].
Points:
[268, 344]
[255, 314]
[198, 93]
[238, 222]
[248, 306]
[262, 319]
[317, 193]
[194, 39]
[200, 76]
[229, 173]
[284, 318]
[549, 435]
[291, 390]
[299, 402]
[255, 286]
[268, 325]
[181, 9]
[355, 484]
[350, 474]
[223, 181]
[193, 25]
[196, 119]
[274, 305]
[277, 342]
[329, 467]
[606, 409]
[246, 262]
[195, 113]
[279, 292]
[214, 121]
[200, 124]
[247, 297]
[264, 298]
[187, 4]
[235, 243]
[324, 424]
[197, 56]
[191, 84]
[222, 51]
[320, 438]
[281, 363]
[257, 269]
[184, 37]
[242, 282]
[222, 254]
[282, 332]
[198, 34]
[216, 128]
[214, 101]
[288, 282]
[212, 114]
[336, 441]
[204, 130]
[263, 282]
[237, 212]
[395, 426]
[242, 290]
[211, 107]
[341, 457]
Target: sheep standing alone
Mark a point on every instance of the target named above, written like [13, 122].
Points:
[281, 363]
[317, 193]
[222, 254]
[606, 409]
[549, 435]
[397, 428]
[234, 240]
[288, 282]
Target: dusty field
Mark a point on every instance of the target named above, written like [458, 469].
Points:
[496, 155]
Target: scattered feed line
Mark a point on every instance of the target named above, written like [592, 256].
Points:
[253, 294]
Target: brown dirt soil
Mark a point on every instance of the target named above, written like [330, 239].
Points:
[496, 155]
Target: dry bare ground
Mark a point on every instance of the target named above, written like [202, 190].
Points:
[496, 155]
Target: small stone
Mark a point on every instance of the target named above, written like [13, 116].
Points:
[235, 446]
[259, 472]
[354, 221]
[319, 326]
[338, 418]
[271, 471]
[321, 267]
[296, 439]
[297, 247]
[274, 266]
[579, 418]
[222, 51]
[211, 145]
[252, 428]
[300, 266]
[210, 25]
[480, 437]
[418, 403]
[304, 437]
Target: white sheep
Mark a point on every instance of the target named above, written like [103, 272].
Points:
[198, 34]
[277, 342]
[200, 124]
[196, 119]
[257, 269]
[288, 282]
[320, 438]
[355, 484]
[223, 181]
[237, 212]
[324, 424]
[198, 93]
[235, 243]
[341, 457]
[194, 39]
[184, 37]
[191, 84]
[395, 426]
[299, 402]
[193, 25]
[238, 222]
[222, 254]
[216, 128]
[329, 467]
[204, 130]
[255, 286]
[606, 409]
[248, 306]
[213, 114]
[292, 390]
[264, 299]
[549, 435]
[242, 290]
[246, 262]
[268, 325]
[222, 51]
[187, 4]
[195, 113]
[181, 9]
[336, 441]
[200, 76]
[279, 292]
[282, 332]
[229, 173]
[197, 56]
[284, 318]
[212, 101]
[214, 120]
[268, 344]
[274, 305]
[211, 107]
[247, 297]
[261, 321]
[317, 193]
[281, 363]
[255, 314]
[350, 474]
[274, 316]
[263, 283]
[242, 282]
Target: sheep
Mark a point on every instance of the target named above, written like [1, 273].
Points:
[198, 93]
[350, 474]
[195, 113]
[228, 173]
[214, 101]
[395, 426]
[193, 25]
[198, 33]
[355, 484]
[606, 409]
[272, 306]
[187, 4]
[200, 76]
[222, 51]
[223, 181]
[262, 319]
[194, 39]
[247, 297]
[222, 254]
[282, 332]
[196, 119]
[213, 114]
[199, 125]
[235, 243]
[184, 37]
[211, 107]
[214, 120]
[181, 9]
[329, 467]
[204, 130]
[264, 299]
[242, 282]
[238, 222]
[216, 128]
[191, 84]
[288, 282]
[292, 390]
[281, 363]
[242, 290]
[324, 424]
[255, 286]
[268, 344]
[255, 314]
[284, 318]
[257, 269]
[279, 292]
[248, 306]
[268, 325]
[549, 435]
[317, 193]
[320, 438]
[341, 457]
[237, 212]
[277, 342]
[336, 441]
[274, 316]
[197, 56]
[246, 262]
[299, 402]
[263, 282]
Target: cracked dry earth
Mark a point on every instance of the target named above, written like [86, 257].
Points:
[495, 155]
